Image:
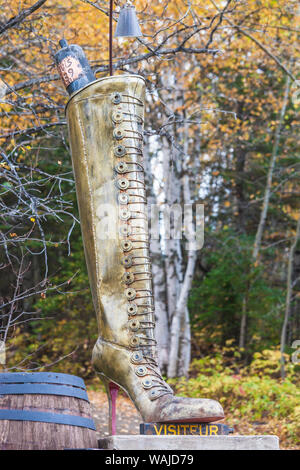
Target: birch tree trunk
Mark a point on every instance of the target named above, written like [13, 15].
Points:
[173, 256]
[263, 215]
[158, 271]
[180, 327]
[185, 337]
[172, 245]
[161, 314]
[173, 285]
[180, 312]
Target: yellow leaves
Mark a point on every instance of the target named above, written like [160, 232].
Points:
[268, 137]
[32, 219]
[276, 235]
[5, 165]
[223, 128]
[229, 342]
[5, 107]
[227, 204]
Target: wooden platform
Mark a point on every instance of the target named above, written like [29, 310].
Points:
[177, 443]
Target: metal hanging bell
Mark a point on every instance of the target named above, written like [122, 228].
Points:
[127, 25]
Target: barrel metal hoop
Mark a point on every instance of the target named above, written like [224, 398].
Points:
[43, 417]
[42, 389]
[42, 377]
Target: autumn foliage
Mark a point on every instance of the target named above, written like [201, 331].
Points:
[221, 129]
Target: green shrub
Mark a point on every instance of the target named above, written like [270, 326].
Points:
[254, 392]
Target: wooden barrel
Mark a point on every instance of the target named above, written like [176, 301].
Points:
[44, 410]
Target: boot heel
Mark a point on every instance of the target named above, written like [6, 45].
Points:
[112, 390]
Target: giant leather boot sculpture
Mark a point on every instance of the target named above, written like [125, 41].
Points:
[105, 121]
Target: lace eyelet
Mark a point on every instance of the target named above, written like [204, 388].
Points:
[121, 167]
[126, 245]
[117, 117]
[124, 214]
[123, 183]
[141, 371]
[132, 308]
[118, 134]
[128, 278]
[120, 151]
[125, 230]
[134, 341]
[134, 325]
[130, 293]
[127, 261]
[116, 98]
[147, 383]
[136, 357]
[153, 394]
[123, 198]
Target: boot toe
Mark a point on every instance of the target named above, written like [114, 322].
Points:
[183, 409]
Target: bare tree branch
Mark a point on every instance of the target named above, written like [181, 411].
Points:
[15, 20]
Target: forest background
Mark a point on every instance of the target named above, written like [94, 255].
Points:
[222, 130]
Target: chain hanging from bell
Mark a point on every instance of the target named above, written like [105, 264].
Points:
[127, 25]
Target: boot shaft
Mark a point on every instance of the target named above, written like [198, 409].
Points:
[105, 121]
